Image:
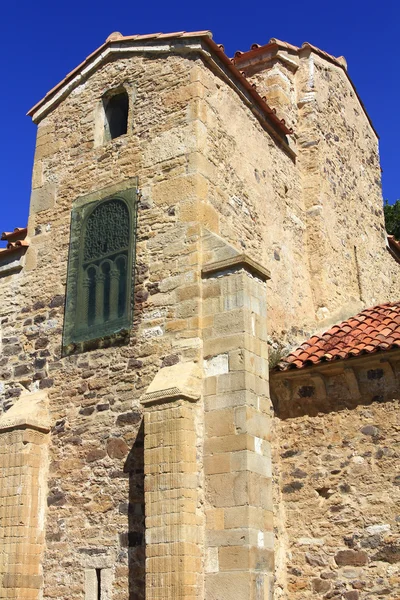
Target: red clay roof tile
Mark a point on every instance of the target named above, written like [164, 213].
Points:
[16, 241]
[19, 233]
[374, 329]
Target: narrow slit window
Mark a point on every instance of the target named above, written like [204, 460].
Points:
[98, 577]
[116, 109]
[98, 583]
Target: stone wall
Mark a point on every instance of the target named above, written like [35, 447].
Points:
[95, 516]
[343, 240]
[255, 187]
[350, 266]
[337, 497]
[204, 163]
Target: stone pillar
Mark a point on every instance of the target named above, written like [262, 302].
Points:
[24, 437]
[174, 522]
[237, 457]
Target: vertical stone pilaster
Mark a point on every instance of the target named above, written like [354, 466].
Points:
[24, 437]
[174, 522]
[237, 456]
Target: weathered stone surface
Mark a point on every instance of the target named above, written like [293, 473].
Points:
[356, 558]
[320, 586]
[357, 539]
[117, 448]
[43, 198]
[317, 224]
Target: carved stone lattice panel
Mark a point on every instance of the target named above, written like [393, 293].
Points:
[100, 282]
[107, 230]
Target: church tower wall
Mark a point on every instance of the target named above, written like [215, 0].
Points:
[157, 450]
[95, 513]
[337, 161]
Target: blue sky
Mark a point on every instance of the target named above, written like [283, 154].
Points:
[42, 41]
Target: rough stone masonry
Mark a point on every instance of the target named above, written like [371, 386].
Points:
[154, 465]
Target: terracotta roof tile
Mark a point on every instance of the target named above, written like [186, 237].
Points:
[16, 241]
[19, 233]
[374, 329]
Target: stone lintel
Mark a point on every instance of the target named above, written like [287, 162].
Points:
[179, 382]
[234, 263]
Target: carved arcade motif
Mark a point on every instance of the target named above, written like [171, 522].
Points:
[100, 272]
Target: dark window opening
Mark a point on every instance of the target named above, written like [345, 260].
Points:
[375, 374]
[106, 294]
[98, 575]
[116, 110]
[91, 283]
[121, 265]
[306, 391]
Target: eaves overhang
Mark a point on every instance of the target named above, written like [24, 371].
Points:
[339, 366]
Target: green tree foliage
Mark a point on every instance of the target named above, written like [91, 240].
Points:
[392, 218]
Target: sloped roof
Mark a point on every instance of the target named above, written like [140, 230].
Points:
[116, 43]
[340, 61]
[370, 331]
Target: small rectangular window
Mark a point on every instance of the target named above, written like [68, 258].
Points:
[116, 108]
[98, 577]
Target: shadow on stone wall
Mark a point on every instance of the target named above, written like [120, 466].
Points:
[134, 465]
[336, 387]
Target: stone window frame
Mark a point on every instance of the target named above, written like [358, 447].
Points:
[81, 339]
[101, 134]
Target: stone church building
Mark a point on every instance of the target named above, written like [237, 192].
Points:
[200, 335]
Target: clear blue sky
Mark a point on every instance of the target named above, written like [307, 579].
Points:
[42, 41]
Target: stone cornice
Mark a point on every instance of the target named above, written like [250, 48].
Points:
[235, 263]
[21, 423]
[178, 382]
[29, 412]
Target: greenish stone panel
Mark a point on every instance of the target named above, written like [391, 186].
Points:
[100, 280]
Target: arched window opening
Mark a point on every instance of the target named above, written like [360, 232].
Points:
[116, 108]
[121, 266]
[90, 313]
